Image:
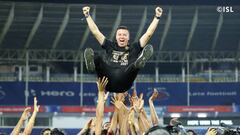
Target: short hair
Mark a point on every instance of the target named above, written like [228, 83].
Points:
[123, 27]
[190, 130]
[157, 130]
[45, 129]
[57, 131]
[104, 132]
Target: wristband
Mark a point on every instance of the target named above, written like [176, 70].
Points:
[157, 17]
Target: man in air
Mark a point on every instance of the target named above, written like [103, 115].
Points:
[122, 60]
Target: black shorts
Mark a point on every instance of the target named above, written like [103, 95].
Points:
[120, 79]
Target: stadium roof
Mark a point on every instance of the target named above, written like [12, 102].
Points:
[141, 2]
[62, 27]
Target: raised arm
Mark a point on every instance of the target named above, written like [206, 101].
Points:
[30, 124]
[86, 127]
[101, 83]
[92, 26]
[153, 113]
[132, 122]
[17, 128]
[137, 103]
[152, 27]
[114, 123]
[143, 122]
[122, 110]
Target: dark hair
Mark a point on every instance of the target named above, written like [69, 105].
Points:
[45, 129]
[190, 130]
[157, 130]
[57, 131]
[123, 27]
[104, 132]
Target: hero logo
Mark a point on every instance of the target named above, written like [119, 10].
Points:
[55, 93]
[58, 93]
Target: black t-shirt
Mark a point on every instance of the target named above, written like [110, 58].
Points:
[117, 65]
[119, 56]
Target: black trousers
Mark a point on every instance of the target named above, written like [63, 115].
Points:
[120, 79]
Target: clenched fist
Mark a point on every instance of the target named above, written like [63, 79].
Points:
[86, 11]
[158, 12]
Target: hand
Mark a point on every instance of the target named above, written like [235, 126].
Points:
[140, 102]
[138, 105]
[36, 107]
[93, 122]
[118, 104]
[26, 113]
[86, 10]
[211, 131]
[134, 94]
[133, 99]
[137, 102]
[89, 122]
[101, 83]
[131, 116]
[158, 12]
[154, 95]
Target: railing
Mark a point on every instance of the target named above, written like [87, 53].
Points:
[201, 77]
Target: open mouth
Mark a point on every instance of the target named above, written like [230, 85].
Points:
[122, 41]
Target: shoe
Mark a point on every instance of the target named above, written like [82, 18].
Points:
[89, 59]
[145, 55]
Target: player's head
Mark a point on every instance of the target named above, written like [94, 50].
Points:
[122, 36]
[57, 131]
[46, 131]
[157, 130]
[191, 132]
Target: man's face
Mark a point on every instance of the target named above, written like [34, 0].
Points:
[190, 133]
[122, 37]
[47, 132]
